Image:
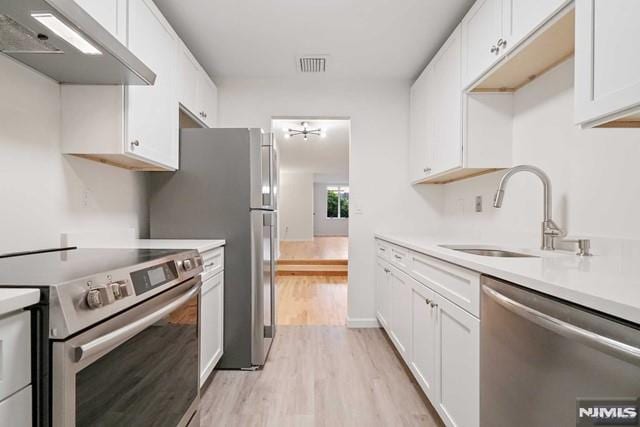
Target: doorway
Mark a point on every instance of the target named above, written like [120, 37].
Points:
[313, 220]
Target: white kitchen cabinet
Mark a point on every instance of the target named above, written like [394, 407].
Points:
[424, 326]
[15, 411]
[197, 92]
[400, 284]
[481, 32]
[15, 353]
[383, 293]
[419, 126]
[607, 68]
[521, 17]
[463, 134]
[458, 364]
[111, 14]
[212, 324]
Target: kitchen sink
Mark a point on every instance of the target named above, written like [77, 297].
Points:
[499, 253]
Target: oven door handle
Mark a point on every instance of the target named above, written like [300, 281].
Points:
[599, 342]
[117, 337]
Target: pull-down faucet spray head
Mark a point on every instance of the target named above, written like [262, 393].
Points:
[497, 199]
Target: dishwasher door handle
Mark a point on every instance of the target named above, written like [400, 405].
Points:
[568, 330]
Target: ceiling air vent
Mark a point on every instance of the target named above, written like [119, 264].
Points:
[312, 64]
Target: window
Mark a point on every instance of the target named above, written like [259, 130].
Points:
[337, 202]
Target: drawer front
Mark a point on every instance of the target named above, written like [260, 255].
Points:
[383, 249]
[16, 410]
[459, 285]
[400, 258]
[213, 262]
[15, 353]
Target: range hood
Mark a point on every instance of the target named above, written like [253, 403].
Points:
[61, 40]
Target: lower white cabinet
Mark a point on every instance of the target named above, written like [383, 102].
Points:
[400, 312]
[15, 369]
[438, 339]
[212, 324]
[15, 411]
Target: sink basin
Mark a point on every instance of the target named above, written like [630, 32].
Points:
[499, 253]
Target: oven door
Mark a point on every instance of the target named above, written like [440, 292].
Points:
[138, 369]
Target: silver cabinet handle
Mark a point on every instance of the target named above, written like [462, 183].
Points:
[428, 301]
[426, 170]
[502, 43]
[495, 49]
[135, 143]
[383, 249]
[397, 256]
[386, 270]
[599, 342]
[433, 304]
[211, 264]
[117, 337]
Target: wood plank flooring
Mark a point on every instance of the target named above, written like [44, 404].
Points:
[318, 248]
[311, 300]
[320, 376]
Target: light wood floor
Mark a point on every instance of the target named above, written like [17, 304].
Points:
[318, 248]
[320, 376]
[311, 300]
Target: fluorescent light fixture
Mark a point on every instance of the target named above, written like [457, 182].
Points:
[65, 32]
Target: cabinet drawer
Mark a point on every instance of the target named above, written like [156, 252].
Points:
[16, 410]
[382, 249]
[15, 353]
[213, 262]
[399, 257]
[459, 285]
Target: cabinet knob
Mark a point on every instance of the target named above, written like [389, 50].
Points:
[428, 301]
[204, 115]
[433, 304]
[386, 270]
[495, 49]
[502, 43]
[135, 143]
[426, 170]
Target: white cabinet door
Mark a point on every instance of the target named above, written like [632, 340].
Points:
[458, 361]
[209, 100]
[152, 111]
[448, 114]
[15, 411]
[401, 311]
[189, 76]
[383, 293]
[15, 353]
[521, 17]
[111, 14]
[423, 329]
[481, 30]
[418, 133]
[211, 324]
[607, 63]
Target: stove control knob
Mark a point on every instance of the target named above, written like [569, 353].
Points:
[94, 299]
[187, 265]
[124, 290]
[115, 289]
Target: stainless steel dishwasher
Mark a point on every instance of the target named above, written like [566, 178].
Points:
[538, 355]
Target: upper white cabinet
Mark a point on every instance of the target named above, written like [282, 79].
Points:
[111, 14]
[607, 68]
[197, 92]
[454, 135]
[519, 33]
[481, 33]
[137, 127]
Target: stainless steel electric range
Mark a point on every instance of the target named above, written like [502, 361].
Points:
[115, 335]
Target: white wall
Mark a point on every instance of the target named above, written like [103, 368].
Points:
[323, 226]
[43, 193]
[296, 206]
[380, 196]
[594, 174]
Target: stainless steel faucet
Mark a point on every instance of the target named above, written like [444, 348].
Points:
[550, 230]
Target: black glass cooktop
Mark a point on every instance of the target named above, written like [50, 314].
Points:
[53, 268]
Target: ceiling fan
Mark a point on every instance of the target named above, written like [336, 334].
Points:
[305, 132]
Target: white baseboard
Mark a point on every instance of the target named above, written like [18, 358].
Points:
[362, 322]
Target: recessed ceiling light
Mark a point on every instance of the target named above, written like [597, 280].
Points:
[287, 136]
[65, 32]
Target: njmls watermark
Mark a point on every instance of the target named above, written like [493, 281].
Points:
[607, 412]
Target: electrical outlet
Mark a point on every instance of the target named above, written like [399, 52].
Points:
[478, 203]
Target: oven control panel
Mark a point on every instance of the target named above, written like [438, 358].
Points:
[150, 278]
[101, 295]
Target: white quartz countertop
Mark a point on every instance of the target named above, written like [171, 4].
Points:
[199, 244]
[16, 299]
[609, 284]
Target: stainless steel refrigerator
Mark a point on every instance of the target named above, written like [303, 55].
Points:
[226, 188]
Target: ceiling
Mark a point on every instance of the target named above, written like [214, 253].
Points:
[327, 158]
[363, 38]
